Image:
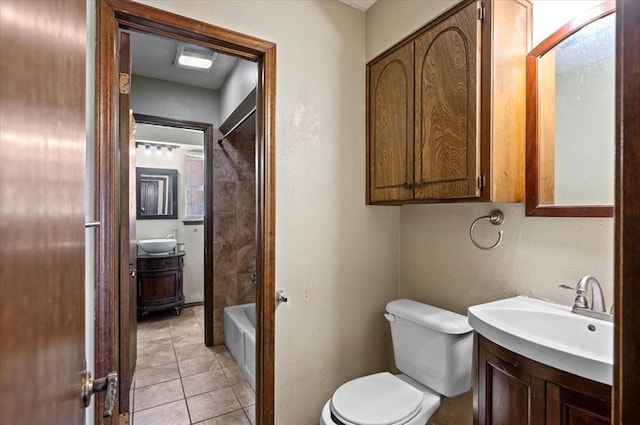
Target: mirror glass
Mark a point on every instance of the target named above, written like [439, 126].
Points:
[156, 193]
[574, 137]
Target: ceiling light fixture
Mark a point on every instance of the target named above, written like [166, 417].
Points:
[192, 57]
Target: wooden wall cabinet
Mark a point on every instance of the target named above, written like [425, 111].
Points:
[446, 108]
[160, 283]
[509, 389]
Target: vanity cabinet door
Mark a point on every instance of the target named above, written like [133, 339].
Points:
[160, 283]
[447, 143]
[566, 406]
[505, 394]
[509, 389]
[390, 124]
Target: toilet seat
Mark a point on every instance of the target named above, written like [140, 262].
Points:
[379, 399]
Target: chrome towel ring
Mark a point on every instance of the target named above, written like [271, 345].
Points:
[496, 218]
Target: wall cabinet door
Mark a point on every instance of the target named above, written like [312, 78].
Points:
[390, 102]
[447, 142]
[446, 108]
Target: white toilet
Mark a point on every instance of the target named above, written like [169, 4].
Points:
[432, 349]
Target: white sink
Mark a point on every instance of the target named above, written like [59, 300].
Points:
[157, 246]
[550, 334]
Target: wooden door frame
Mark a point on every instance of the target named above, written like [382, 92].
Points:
[207, 129]
[112, 15]
[626, 379]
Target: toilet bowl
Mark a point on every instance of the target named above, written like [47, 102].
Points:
[380, 399]
[432, 347]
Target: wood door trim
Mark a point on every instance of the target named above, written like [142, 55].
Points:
[112, 15]
[626, 380]
[207, 129]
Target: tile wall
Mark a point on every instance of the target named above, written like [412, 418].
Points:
[234, 228]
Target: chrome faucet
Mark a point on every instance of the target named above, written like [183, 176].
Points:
[580, 304]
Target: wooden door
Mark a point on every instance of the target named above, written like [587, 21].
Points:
[390, 139]
[42, 170]
[128, 303]
[447, 140]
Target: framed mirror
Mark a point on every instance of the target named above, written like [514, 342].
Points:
[156, 193]
[571, 119]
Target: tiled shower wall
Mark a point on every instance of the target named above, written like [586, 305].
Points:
[234, 228]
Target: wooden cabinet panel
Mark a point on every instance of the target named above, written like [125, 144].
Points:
[391, 126]
[566, 406]
[446, 139]
[160, 283]
[513, 390]
[462, 135]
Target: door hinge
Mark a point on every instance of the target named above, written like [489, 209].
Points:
[481, 182]
[481, 12]
[125, 83]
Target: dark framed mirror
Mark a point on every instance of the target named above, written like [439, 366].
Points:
[570, 169]
[156, 193]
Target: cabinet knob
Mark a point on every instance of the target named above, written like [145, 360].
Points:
[406, 186]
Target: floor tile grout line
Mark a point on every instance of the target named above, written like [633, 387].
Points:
[184, 394]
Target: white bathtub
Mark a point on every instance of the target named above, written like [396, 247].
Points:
[240, 338]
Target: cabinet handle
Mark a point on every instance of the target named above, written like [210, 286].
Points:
[406, 186]
[415, 185]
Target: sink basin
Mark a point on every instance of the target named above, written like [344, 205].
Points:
[550, 334]
[157, 246]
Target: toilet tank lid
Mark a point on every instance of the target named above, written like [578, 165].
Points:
[431, 317]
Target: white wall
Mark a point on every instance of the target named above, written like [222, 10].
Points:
[172, 100]
[439, 265]
[240, 82]
[191, 235]
[336, 258]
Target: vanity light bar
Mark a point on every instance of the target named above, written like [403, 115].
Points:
[149, 146]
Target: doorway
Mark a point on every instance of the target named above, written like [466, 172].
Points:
[112, 17]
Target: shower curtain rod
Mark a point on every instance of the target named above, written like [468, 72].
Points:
[246, 117]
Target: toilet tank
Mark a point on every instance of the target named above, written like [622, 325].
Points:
[431, 345]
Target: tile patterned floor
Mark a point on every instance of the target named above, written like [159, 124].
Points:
[180, 381]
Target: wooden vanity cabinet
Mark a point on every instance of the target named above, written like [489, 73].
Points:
[509, 389]
[160, 282]
[446, 108]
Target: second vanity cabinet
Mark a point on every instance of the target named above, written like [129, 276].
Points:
[160, 282]
[509, 389]
[446, 108]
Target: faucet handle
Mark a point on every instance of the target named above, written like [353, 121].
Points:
[581, 300]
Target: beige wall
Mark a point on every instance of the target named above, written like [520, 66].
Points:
[336, 258]
[389, 21]
[438, 263]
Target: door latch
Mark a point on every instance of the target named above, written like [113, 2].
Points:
[91, 386]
